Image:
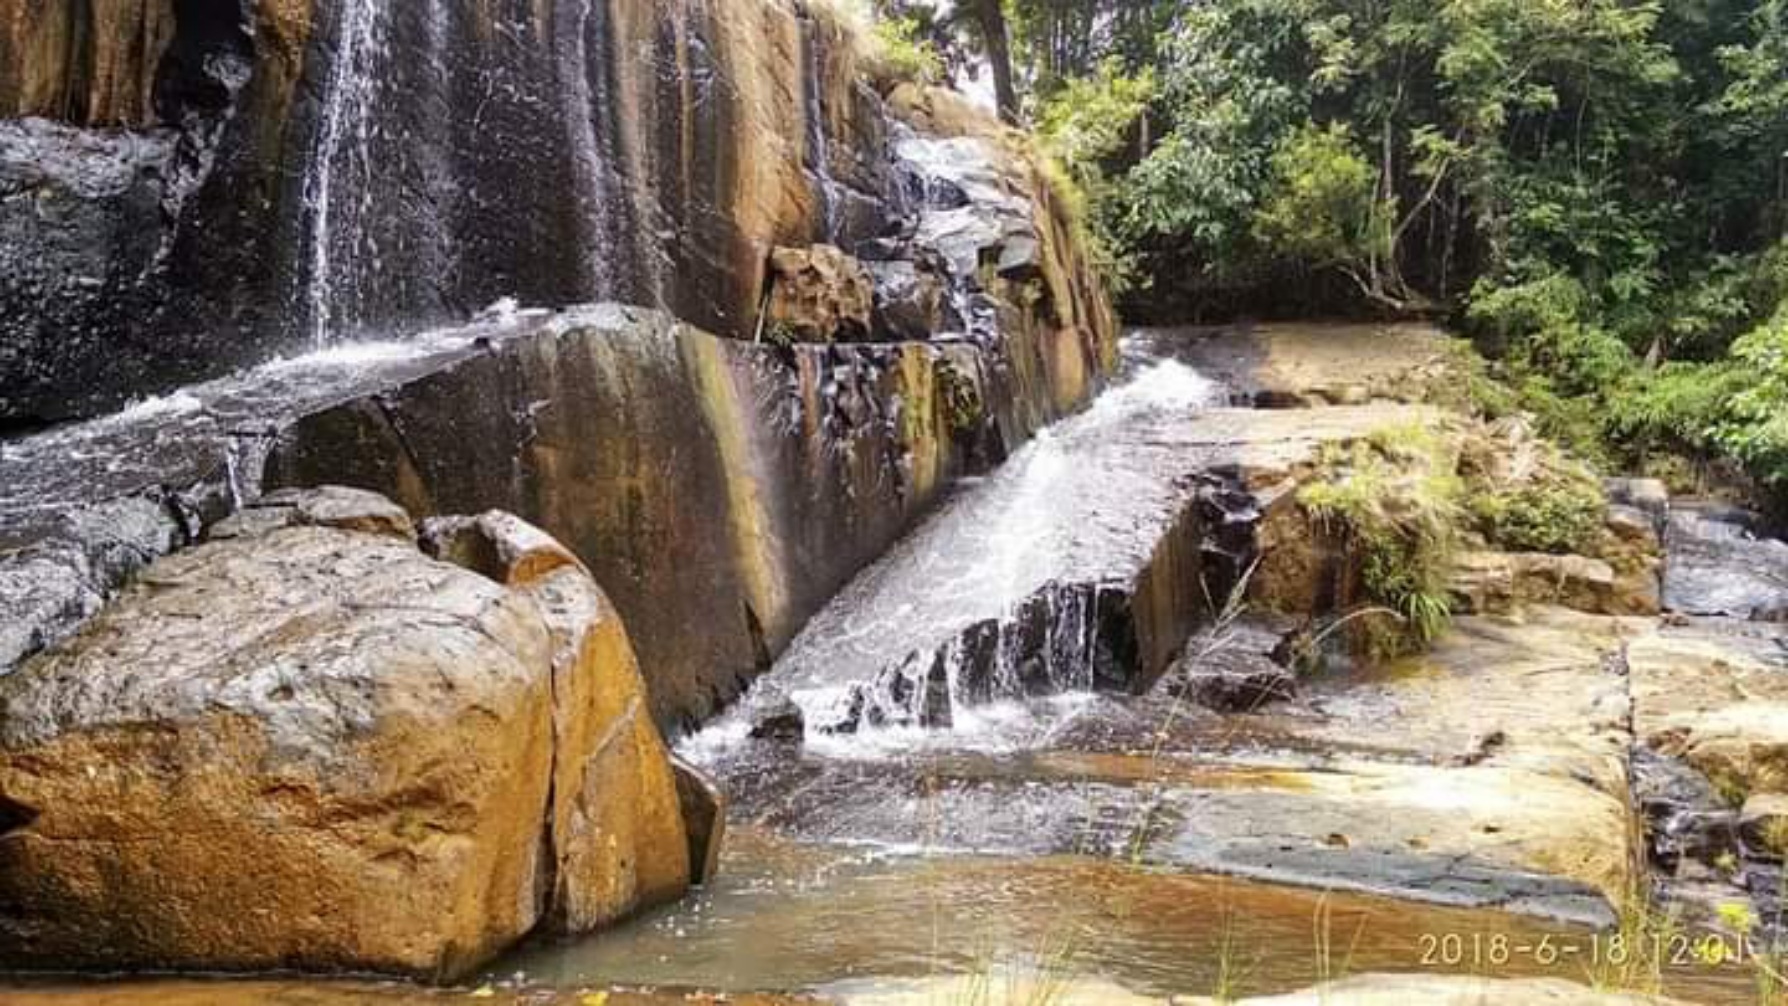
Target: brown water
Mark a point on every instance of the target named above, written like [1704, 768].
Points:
[836, 922]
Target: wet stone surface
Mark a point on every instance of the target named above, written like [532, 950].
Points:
[1720, 566]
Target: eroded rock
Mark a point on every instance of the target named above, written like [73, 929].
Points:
[819, 294]
[306, 746]
[1498, 583]
[910, 300]
[704, 815]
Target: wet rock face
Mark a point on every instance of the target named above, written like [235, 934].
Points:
[310, 745]
[291, 168]
[1719, 566]
[723, 489]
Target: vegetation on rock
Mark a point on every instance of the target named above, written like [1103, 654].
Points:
[1403, 503]
[1597, 192]
[1394, 501]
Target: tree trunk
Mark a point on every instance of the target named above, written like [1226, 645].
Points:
[992, 22]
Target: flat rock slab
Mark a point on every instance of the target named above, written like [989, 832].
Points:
[850, 920]
[1714, 693]
[1300, 365]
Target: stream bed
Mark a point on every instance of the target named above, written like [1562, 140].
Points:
[1039, 816]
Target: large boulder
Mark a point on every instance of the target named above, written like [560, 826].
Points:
[310, 745]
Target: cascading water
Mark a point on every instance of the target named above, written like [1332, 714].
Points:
[338, 190]
[1002, 595]
[819, 137]
[586, 101]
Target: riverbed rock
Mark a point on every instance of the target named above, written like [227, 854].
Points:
[704, 816]
[308, 747]
[1687, 821]
[1497, 583]
[778, 719]
[1236, 669]
[1648, 496]
[1719, 566]
[1716, 696]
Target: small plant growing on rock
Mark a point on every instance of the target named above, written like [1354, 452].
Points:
[1393, 500]
[1560, 515]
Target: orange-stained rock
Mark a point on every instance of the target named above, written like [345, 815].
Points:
[316, 748]
[819, 294]
[91, 63]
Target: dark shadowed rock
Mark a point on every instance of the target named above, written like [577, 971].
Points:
[1686, 819]
[704, 816]
[909, 301]
[778, 719]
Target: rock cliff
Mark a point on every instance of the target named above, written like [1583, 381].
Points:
[720, 475]
[187, 187]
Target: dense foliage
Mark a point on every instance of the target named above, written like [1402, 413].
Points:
[1597, 190]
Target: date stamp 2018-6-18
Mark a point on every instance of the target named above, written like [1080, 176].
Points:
[1496, 950]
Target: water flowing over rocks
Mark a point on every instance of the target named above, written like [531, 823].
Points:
[307, 744]
[320, 168]
[1363, 782]
[1720, 567]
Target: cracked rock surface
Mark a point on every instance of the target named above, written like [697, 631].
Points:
[308, 744]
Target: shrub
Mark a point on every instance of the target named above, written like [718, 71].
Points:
[1562, 514]
[899, 51]
[1394, 500]
[1754, 428]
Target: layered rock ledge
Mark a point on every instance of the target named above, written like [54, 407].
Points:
[720, 490]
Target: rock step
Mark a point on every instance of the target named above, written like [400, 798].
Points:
[1490, 773]
[724, 489]
[1083, 564]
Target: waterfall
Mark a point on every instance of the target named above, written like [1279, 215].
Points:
[338, 193]
[819, 138]
[585, 105]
